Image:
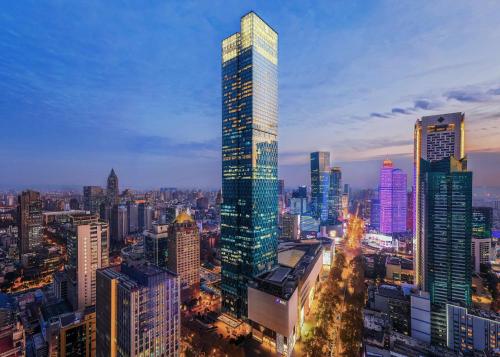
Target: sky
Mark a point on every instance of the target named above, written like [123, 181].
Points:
[90, 85]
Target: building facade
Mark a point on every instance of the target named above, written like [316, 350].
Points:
[184, 254]
[393, 199]
[320, 184]
[137, 312]
[156, 245]
[30, 221]
[88, 250]
[249, 159]
[93, 198]
[335, 205]
[443, 196]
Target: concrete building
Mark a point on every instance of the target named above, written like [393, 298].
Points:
[392, 195]
[279, 300]
[93, 197]
[137, 312]
[183, 256]
[472, 331]
[320, 184]
[399, 270]
[88, 250]
[291, 227]
[391, 300]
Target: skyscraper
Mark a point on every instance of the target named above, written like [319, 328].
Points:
[436, 137]
[30, 221]
[249, 158]
[112, 189]
[443, 216]
[320, 184]
[184, 254]
[393, 199]
[335, 195]
[137, 312]
[88, 250]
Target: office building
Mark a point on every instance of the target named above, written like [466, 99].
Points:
[473, 331]
[443, 192]
[93, 198]
[421, 317]
[156, 245]
[393, 301]
[184, 254]
[137, 312]
[409, 212]
[298, 201]
[88, 250]
[482, 242]
[392, 196]
[482, 252]
[30, 221]
[249, 159]
[320, 184]
[335, 196]
[291, 227]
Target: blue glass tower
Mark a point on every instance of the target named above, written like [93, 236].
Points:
[249, 159]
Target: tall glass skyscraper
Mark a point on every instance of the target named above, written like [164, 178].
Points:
[320, 184]
[249, 235]
[393, 199]
[443, 216]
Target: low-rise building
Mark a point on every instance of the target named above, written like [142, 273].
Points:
[279, 301]
[399, 270]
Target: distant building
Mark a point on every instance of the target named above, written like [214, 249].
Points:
[30, 221]
[74, 204]
[291, 227]
[202, 203]
[472, 331]
[399, 270]
[482, 241]
[112, 189]
[93, 197]
[320, 184]
[133, 217]
[156, 245]
[393, 199]
[409, 212]
[119, 223]
[88, 250]
[335, 196]
[184, 254]
[145, 216]
[391, 299]
[137, 312]
[375, 214]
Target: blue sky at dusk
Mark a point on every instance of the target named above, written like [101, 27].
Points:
[90, 85]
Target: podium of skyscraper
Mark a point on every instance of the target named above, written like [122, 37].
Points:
[249, 159]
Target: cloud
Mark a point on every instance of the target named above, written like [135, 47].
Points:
[379, 115]
[467, 96]
[423, 104]
[400, 111]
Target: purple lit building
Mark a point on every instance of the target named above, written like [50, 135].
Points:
[393, 199]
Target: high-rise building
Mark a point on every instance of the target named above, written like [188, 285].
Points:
[30, 221]
[298, 202]
[482, 242]
[93, 197]
[320, 184]
[249, 159]
[409, 211]
[133, 217]
[88, 250]
[335, 195]
[112, 189]
[156, 245]
[145, 216]
[443, 191]
[119, 223]
[137, 312]
[375, 214]
[184, 254]
[435, 138]
[291, 227]
[393, 196]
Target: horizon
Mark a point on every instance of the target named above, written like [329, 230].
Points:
[113, 90]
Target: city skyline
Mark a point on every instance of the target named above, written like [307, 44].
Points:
[106, 90]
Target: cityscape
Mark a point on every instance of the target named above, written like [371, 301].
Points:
[306, 250]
